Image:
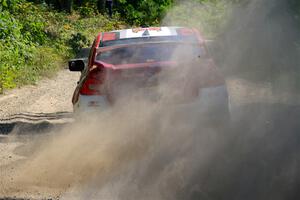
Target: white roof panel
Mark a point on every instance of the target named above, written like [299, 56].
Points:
[147, 32]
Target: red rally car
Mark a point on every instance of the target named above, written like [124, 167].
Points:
[124, 62]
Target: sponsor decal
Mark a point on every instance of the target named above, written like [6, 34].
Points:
[154, 29]
[136, 30]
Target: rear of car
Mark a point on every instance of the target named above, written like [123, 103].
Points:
[166, 65]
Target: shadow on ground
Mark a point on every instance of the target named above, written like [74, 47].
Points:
[23, 123]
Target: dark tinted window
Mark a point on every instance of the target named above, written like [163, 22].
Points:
[177, 38]
[155, 52]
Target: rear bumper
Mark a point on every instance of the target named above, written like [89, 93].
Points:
[212, 104]
[90, 104]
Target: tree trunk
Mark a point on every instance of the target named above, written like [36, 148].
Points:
[69, 5]
[101, 6]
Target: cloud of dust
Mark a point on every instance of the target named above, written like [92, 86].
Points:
[141, 150]
[260, 43]
[131, 151]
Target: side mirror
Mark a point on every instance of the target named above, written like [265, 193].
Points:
[76, 65]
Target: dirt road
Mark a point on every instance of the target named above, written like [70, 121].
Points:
[31, 117]
[48, 96]
[30, 109]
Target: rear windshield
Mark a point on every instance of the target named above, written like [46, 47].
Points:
[151, 52]
[177, 38]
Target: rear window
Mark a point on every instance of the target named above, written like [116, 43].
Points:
[177, 38]
[151, 52]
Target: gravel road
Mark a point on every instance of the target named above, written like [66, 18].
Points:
[27, 109]
[47, 96]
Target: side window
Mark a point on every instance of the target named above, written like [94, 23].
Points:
[87, 64]
[90, 54]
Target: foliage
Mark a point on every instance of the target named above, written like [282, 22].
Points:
[209, 16]
[35, 40]
[143, 13]
[78, 41]
[134, 12]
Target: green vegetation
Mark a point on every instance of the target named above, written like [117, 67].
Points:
[209, 16]
[134, 12]
[36, 40]
[146, 13]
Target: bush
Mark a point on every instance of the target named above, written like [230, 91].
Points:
[145, 13]
[35, 40]
[86, 11]
[78, 41]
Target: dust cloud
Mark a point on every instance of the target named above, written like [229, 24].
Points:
[132, 151]
[139, 150]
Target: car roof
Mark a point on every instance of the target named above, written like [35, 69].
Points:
[117, 37]
[147, 31]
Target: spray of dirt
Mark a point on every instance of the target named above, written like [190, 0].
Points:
[138, 150]
[132, 151]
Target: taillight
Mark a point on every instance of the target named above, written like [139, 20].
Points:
[93, 84]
